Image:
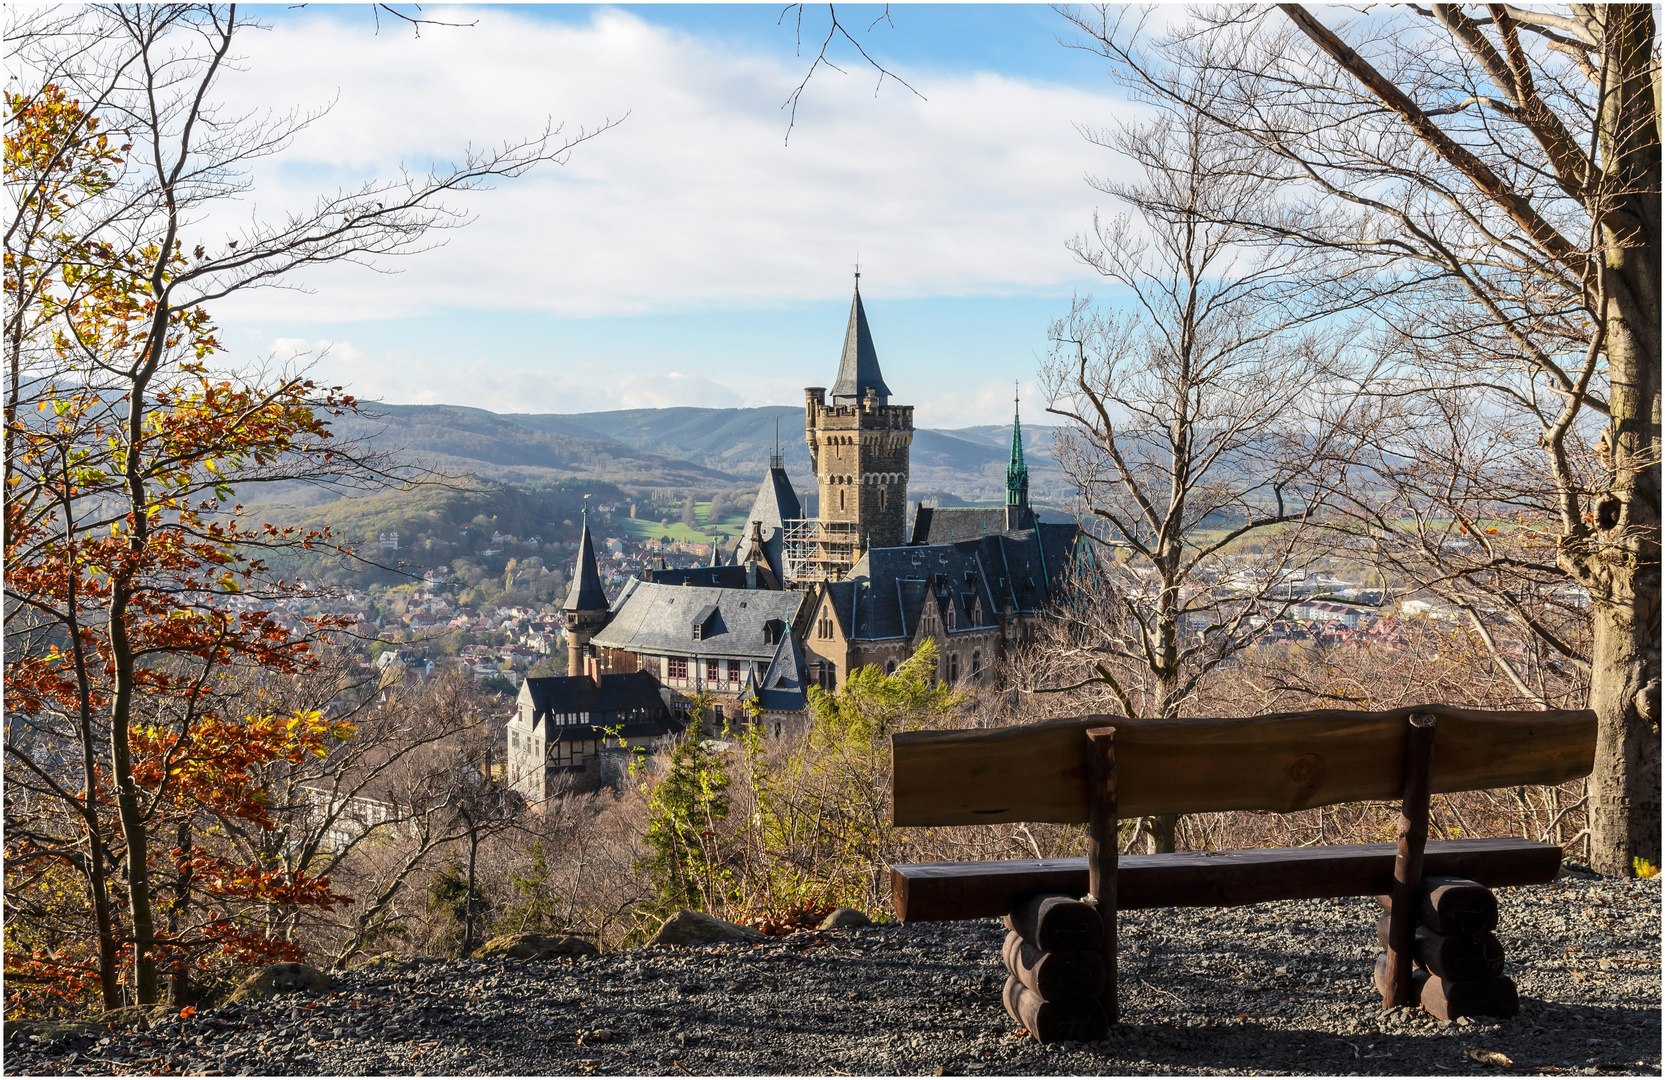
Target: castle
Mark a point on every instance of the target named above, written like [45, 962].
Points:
[801, 601]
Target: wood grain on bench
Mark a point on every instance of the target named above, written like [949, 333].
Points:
[973, 890]
[1282, 763]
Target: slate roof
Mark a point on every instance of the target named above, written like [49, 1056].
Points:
[859, 367]
[610, 704]
[783, 688]
[885, 594]
[726, 576]
[586, 593]
[658, 620]
[776, 504]
[949, 524]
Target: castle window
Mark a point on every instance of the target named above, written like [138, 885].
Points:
[882, 500]
[976, 664]
[890, 667]
[950, 614]
[953, 667]
[841, 500]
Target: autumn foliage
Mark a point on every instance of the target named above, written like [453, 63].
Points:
[127, 569]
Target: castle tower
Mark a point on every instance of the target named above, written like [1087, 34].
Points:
[586, 606]
[858, 444]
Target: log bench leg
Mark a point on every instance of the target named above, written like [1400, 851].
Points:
[1459, 960]
[1102, 853]
[1397, 986]
[1058, 948]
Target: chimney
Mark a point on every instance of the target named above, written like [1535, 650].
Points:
[751, 573]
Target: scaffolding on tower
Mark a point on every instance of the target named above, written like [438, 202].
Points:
[817, 550]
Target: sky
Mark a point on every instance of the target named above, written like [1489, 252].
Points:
[693, 254]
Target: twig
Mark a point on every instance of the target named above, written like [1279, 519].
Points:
[1159, 990]
[835, 29]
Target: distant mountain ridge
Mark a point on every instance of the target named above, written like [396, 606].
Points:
[696, 449]
[970, 462]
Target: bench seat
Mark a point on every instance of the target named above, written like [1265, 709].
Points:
[927, 892]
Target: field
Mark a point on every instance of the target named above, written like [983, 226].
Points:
[729, 526]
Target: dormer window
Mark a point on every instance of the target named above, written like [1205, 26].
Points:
[950, 614]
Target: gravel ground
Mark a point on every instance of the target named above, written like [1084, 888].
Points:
[1274, 988]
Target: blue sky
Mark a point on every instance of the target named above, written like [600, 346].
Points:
[693, 254]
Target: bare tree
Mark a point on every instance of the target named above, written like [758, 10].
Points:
[1200, 419]
[1496, 170]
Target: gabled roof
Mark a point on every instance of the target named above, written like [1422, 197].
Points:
[631, 704]
[886, 592]
[951, 524]
[658, 620]
[776, 504]
[858, 370]
[726, 576]
[586, 593]
[783, 688]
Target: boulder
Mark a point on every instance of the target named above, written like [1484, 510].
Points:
[281, 979]
[845, 918]
[694, 928]
[391, 962]
[535, 947]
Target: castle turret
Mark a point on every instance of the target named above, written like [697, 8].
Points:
[858, 445]
[586, 606]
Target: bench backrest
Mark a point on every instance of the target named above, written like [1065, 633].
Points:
[1282, 763]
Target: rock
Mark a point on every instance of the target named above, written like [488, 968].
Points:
[845, 918]
[694, 928]
[535, 947]
[390, 962]
[281, 979]
[137, 1017]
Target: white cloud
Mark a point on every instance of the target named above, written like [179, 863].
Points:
[988, 402]
[693, 200]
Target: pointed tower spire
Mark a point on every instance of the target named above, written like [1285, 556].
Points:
[858, 370]
[585, 611]
[1017, 473]
[586, 593]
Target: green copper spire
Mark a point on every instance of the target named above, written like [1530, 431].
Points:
[1017, 473]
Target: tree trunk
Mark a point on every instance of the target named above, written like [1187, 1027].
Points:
[127, 804]
[179, 989]
[468, 897]
[1620, 565]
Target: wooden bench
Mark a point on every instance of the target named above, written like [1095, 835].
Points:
[1094, 771]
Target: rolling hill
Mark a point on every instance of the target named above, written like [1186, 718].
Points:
[689, 450]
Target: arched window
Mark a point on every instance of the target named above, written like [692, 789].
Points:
[953, 667]
[841, 500]
[890, 667]
[976, 663]
[883, 501]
